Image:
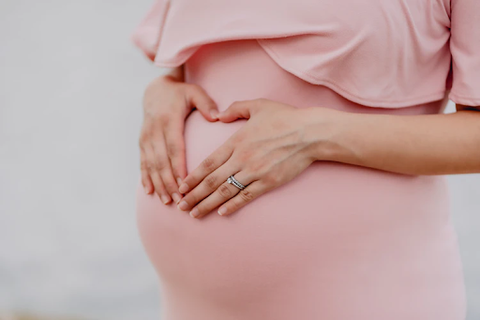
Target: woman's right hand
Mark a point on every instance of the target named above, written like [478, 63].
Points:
[167, 102]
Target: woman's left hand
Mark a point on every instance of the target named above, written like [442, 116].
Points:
[269, 150]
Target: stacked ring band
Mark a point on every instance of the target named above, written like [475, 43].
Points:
[235, 182]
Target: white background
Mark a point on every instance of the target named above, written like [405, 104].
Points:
[70, 89]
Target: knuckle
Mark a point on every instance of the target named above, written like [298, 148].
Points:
[147, 165]
[208, 164]
[246, 195]
[174, 149]
[251, 173]
[210, 104]
[144, 137]
[253, 168]
[271, 179]
[225, 191]
[277, 179]
[211, 182]
[191, 200]
[244, 154]
[235, 141]
[158, 185]
[150, 167]
[164, 120]
[143, 165]
[160, 166]
[170, 186]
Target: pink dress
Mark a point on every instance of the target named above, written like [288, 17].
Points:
[338, 242]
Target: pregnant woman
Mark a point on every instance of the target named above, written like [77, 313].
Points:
[293, 159]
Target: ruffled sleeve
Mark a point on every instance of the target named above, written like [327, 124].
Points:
[147, 34]
[400, 56]
[465, 50]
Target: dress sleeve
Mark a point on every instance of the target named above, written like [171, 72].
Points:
[465, 50]
[147, 34]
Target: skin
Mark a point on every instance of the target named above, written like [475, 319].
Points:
[166, 104]
[267, 152]
[285, 145]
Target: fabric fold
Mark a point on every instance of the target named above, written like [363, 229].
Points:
[379, 54]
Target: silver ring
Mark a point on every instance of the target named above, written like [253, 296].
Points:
[235, 182]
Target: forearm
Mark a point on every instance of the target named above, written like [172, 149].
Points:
[416, 145]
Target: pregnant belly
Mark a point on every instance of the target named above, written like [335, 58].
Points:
[335, 235]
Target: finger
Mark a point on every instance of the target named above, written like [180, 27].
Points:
[207, 186]
[207, 166]
[146, 181]
[245, 196]
[237, 110]
[176, 150]
[202, 101]
[155, 177]
[163, 168]
[222, 194]
[160, 188]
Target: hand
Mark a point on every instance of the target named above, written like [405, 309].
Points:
[269, 150]
[167, 102]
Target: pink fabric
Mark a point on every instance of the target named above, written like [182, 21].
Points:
[338, 242]
[377, 53]
[465, 49]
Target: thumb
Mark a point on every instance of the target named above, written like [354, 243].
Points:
[207, 107]
[237, 110]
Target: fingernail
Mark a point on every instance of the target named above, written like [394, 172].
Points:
[165, 199]
[183, 205]
[214, 114]
[222, 210]
[183, 188]
[147, 190]
[179, 181]
[194, 213]
[176, 197]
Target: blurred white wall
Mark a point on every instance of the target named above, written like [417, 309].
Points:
[70, 112]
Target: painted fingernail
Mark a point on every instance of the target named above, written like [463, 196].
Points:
[222, 211]
[214, 114]
[183, 205]
[176, 197]
[165, 199]
[194, 213]
[183, 188]
[179, 181]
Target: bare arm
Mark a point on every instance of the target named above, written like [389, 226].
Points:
[415, 145]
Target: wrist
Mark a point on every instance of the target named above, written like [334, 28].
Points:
[327, 132]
